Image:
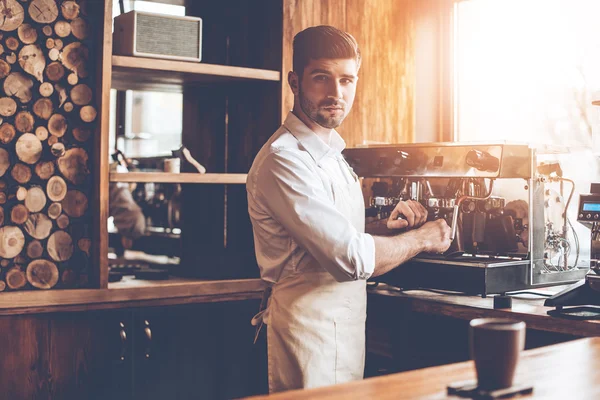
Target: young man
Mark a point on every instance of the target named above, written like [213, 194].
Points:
[308, 216]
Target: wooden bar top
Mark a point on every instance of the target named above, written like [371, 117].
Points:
[530, 310]
[130, 293]
[568, 370]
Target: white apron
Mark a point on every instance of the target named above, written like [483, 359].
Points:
[316, 325]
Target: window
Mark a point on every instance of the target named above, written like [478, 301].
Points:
[526, 71]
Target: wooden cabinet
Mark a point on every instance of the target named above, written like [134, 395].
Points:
[200, 351]
[175, 352]
[65, 356]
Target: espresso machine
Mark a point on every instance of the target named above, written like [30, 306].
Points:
[587, 291]
[505, 203]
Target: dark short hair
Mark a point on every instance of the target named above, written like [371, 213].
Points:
[323, 41]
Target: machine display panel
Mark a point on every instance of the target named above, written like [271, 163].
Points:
[591, 207]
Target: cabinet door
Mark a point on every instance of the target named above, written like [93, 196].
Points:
[243, 364]
[64, 356]
[175, 353]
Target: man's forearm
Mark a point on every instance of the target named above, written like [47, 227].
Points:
[391, 251]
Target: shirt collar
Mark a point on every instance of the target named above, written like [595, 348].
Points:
[316, 147]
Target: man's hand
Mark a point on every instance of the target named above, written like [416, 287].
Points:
[414, 213]
[436, 236]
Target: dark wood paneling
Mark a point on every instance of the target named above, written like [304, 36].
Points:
[88, 358]
[64, 357]
[23, 363]
[203, 206]
[217, 235]
[384, 106]
[252, 120]
[178, 360]
[243, 33]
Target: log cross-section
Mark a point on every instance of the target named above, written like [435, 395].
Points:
[70, 9]
[54, 210]
[56, 188]
[27, 34]
[4, 161]
[11, 15]
[19, 214]
[18, 85]
[35, 249]
[7, 133]
[57, 125]
[38, 226]
[32, 60]
[43, 11]
[75, 203]
[44, 169]
[36, 199]
[12, 241]
[75, 58]
[24, 121]
[81, 94]
[8, 107]
[15, 278]
[28, 148]
[21, 173]
[73, 165]
[43, 108]
[42, 274]
[60, 246]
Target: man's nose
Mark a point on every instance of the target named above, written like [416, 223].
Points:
[335, 90]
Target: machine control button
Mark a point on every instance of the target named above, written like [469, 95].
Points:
[588, 216]
[596, 216]
[580, 215]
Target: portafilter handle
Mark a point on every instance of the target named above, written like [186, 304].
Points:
[454, 222]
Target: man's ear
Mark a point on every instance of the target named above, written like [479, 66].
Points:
[294, 82]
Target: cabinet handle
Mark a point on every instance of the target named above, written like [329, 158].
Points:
[123, 336]
[148, 333]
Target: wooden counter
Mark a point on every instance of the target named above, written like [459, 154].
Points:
[532, 311]
[562, 371]
[130, 293]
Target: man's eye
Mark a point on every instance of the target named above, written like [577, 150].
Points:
[346, 81]
[320, 78]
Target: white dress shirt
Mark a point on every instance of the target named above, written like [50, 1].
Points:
[291, 188]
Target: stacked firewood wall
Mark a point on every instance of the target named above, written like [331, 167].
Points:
[47, 115]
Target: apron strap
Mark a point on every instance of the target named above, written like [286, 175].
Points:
[258, 319]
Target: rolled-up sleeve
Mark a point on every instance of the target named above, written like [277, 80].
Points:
[295, 196]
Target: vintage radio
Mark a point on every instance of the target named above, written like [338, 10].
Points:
[145, 34]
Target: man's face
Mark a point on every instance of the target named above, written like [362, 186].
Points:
[326, 90]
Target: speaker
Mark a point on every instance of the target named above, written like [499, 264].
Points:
[144, 34]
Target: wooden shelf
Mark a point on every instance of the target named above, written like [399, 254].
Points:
[164, 177]
[155, 74]
[130, 293]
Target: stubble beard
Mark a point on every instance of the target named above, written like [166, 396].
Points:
[312, 111]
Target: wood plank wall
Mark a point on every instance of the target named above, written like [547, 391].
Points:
[384, 109]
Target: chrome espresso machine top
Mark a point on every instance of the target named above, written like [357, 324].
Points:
[506, 205]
